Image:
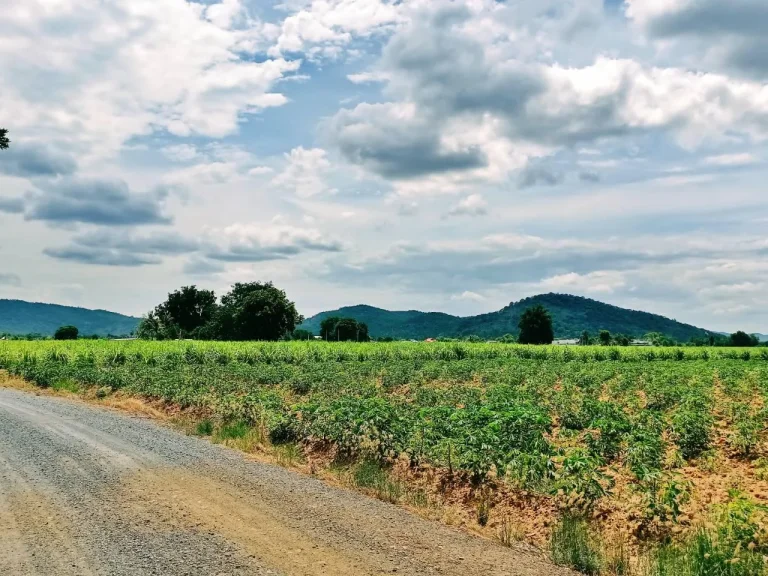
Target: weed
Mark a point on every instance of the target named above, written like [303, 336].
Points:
[572, 545]
[66, 385]
[232, 431]
[288, 454]
[706, 555]
[204, 428]
[508, 532]
[484, 507]
[616, 561]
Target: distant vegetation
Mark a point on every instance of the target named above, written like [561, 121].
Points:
[19, 318]
[4, 141]
[571, 316]
[336, 329]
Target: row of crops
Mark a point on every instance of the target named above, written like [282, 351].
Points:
[486, 407]
[550, 420]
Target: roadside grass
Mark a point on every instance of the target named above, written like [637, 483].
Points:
[573, 546]
[204, 427]
[509, 533]
[66, 385]
[705, 554]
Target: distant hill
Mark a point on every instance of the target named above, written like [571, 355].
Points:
[761, 337]
[571, 315]
[19, 317]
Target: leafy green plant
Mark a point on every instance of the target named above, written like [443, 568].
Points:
[692, 427]
[579, 482]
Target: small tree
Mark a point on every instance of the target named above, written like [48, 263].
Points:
[66, 333]
[605, 338]
[536, 326]
[301, 334]
[335, 328]
[4, 142]
[328, 328]
[585, 339]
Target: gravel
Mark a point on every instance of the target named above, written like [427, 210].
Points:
[90, 491]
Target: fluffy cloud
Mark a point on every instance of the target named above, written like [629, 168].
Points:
[132, 68]
[260, 243]
[468, 296]
[29, 161]
[181, 153]
[591, 283]
[12, 205]
[444, 80]
[304, 174]
[92, 201]
[110, 248]
[737, 28]
[322, 28]
[472, 205]
[396, 141]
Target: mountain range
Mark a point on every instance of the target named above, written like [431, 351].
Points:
[19, 317]
[571, 315]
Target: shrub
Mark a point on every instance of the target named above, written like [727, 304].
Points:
[66, 333]
[204, 428]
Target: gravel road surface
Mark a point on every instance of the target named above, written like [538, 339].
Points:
[86, 491]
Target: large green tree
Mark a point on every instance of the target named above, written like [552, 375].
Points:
[188, 309]
[536, 326]
[66, 333]
[185, 314]
[4, 142]
[743, 340]
[256, 311]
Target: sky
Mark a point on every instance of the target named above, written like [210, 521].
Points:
[408, 154]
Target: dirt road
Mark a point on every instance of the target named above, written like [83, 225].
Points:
[85, 491]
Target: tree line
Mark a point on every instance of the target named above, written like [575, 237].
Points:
[249, 311]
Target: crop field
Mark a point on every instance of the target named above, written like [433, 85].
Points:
[616, 460]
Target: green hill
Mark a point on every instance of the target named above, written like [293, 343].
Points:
[571, 315]
[19, 317]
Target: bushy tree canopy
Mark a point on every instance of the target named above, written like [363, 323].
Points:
[536, 326]
[743, 340]
[335, 328]
[4, 142]
[256, 311]
[66, 333]
[251, 311]
[185, 311]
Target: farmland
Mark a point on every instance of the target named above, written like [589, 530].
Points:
[617, 459]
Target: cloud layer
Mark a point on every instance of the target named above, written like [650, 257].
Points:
[442, 154]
